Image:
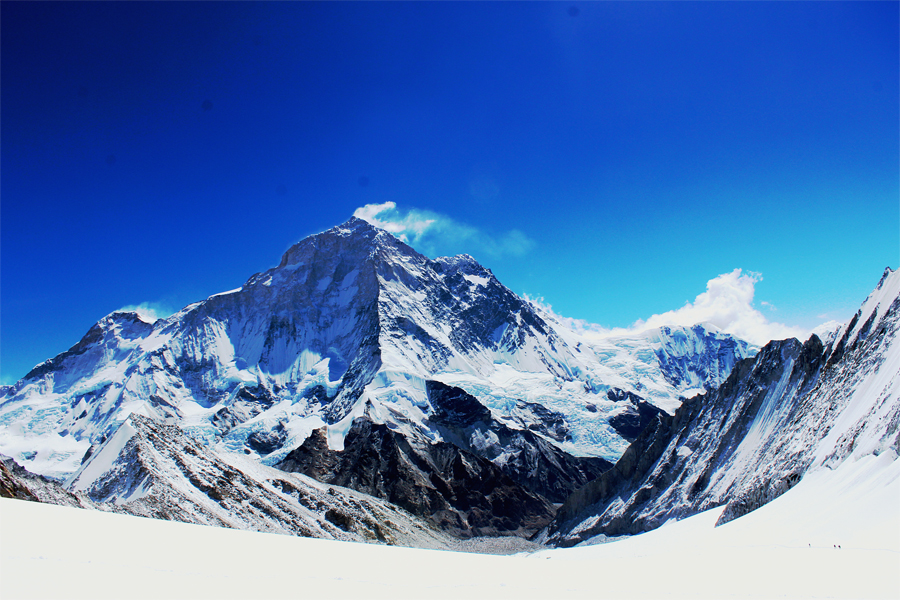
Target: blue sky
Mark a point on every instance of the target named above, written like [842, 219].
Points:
[611, 158]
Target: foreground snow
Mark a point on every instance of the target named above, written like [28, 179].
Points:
[784, 549]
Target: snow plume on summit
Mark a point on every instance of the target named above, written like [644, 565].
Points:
[433, 233]
[149, 311]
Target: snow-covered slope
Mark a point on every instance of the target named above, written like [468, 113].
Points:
[352, 322]
[793, 410]
[786, 549]
[151, 469]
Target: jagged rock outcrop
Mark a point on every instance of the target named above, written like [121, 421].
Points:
[459, 492]
[791, 408]
[12, 487]
[49, 491]
[152, 469]
[527, 458]
[634, 415]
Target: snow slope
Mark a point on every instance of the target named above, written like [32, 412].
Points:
[784, 549]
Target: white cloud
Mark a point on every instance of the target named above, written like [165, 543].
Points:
[727, 304]
[149, 311]
[431, 232]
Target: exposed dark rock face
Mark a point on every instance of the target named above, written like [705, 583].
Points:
[12, 487]
[635, 415]
[461, 493]
[656, 480]
[526, 457]
[265, 442]
[486, 479]
[747, 442]
[155, 470]
[454, 407]
[618, 395]
[540, 419]
[248, 401]
[545, 469]
[49, 491]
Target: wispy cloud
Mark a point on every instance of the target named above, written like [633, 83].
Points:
[727, 304]
[432, 232]
[150, 311]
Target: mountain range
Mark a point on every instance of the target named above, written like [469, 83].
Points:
[360, 390]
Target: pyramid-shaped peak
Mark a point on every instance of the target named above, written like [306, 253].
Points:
[354, 235]
[354, 226]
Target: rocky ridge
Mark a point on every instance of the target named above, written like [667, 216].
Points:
[792, 408]
[151, 469]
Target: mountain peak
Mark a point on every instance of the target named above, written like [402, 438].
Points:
[353, 235]
[354, 225]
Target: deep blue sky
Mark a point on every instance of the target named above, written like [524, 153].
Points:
[165, 152]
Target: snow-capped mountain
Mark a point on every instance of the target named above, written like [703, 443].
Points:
[430, 370]
[793, 409]
[351, 323]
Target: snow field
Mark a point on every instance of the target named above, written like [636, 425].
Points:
[784, 549]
